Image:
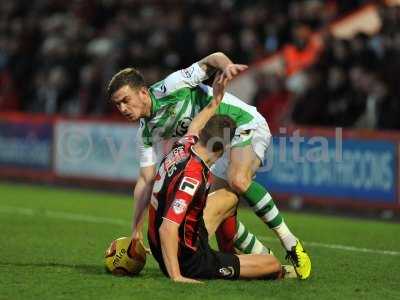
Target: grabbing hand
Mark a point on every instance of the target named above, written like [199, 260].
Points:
[140, 241]
[219, 86]
[137, 236]
[232, 70]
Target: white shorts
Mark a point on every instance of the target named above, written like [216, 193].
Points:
[259, 138]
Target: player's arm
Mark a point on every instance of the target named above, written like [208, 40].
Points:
[219, 61]
[141, 195]
[198, 72]
[144, 184]
[169, 246]
[207, 112]
[174, 216]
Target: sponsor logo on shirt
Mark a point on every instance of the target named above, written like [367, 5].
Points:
[188, 72]
[179, 206]
[183, 126]
[189, 185]
[175, 156]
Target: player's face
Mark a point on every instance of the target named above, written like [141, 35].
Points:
[132, 103]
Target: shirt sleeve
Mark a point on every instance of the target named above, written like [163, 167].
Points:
[189, 77]
[184, 195]
[147, 154]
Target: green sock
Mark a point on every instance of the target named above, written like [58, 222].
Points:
[247, 243]
[261, 202]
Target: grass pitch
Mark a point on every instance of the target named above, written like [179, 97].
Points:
[52, 243]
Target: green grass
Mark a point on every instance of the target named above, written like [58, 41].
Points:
[52, 243]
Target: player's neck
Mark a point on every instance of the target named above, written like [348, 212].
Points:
[208, 157]
[148, 106]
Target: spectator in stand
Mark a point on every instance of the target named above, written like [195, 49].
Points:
[272, 100]
[303, 51]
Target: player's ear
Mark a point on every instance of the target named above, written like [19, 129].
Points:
[143, 91]
[219, 153]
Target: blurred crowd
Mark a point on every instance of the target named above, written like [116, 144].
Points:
[352, 83]
[57, 56]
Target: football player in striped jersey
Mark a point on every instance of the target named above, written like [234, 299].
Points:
[177, 231]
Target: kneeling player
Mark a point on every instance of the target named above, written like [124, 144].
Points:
[178, 236]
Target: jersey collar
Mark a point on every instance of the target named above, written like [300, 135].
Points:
[154, 104]
[199, 158]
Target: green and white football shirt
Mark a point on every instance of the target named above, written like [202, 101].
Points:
[176, 100]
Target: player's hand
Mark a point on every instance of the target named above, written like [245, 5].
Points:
[219, 86]
[232, 70]
[182, 279]
[137, 236]
[140, 241]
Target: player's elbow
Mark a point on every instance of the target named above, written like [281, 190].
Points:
[213, 57]
[219, 54]
[163, 231]
[166, 230]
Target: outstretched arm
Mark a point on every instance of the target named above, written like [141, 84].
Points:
[219, 61]
[141, 197]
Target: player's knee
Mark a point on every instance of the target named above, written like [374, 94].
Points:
[239, 182]
[217, 208]
[270, 265]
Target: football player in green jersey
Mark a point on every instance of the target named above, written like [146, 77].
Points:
[165, 110]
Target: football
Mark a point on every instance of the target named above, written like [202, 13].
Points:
[119, 262]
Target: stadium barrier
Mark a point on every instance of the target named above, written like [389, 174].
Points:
[334, 167]
[324, 166]
[95, 150]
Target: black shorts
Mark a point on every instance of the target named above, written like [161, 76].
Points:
[204, 263]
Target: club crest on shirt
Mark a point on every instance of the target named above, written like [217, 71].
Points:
[179, 206]
[189, 185]
[160, 91]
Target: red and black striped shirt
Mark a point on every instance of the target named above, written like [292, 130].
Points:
[179, 193]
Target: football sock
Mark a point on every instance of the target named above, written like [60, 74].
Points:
[232, 234]
[225, 235]
[247, 243]
[261, 202]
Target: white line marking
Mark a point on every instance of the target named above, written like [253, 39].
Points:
[62, 215]
[85, 218]
[120, 222]
[339, 247]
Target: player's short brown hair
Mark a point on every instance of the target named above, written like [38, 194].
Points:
[218, 132]
[128, 76]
